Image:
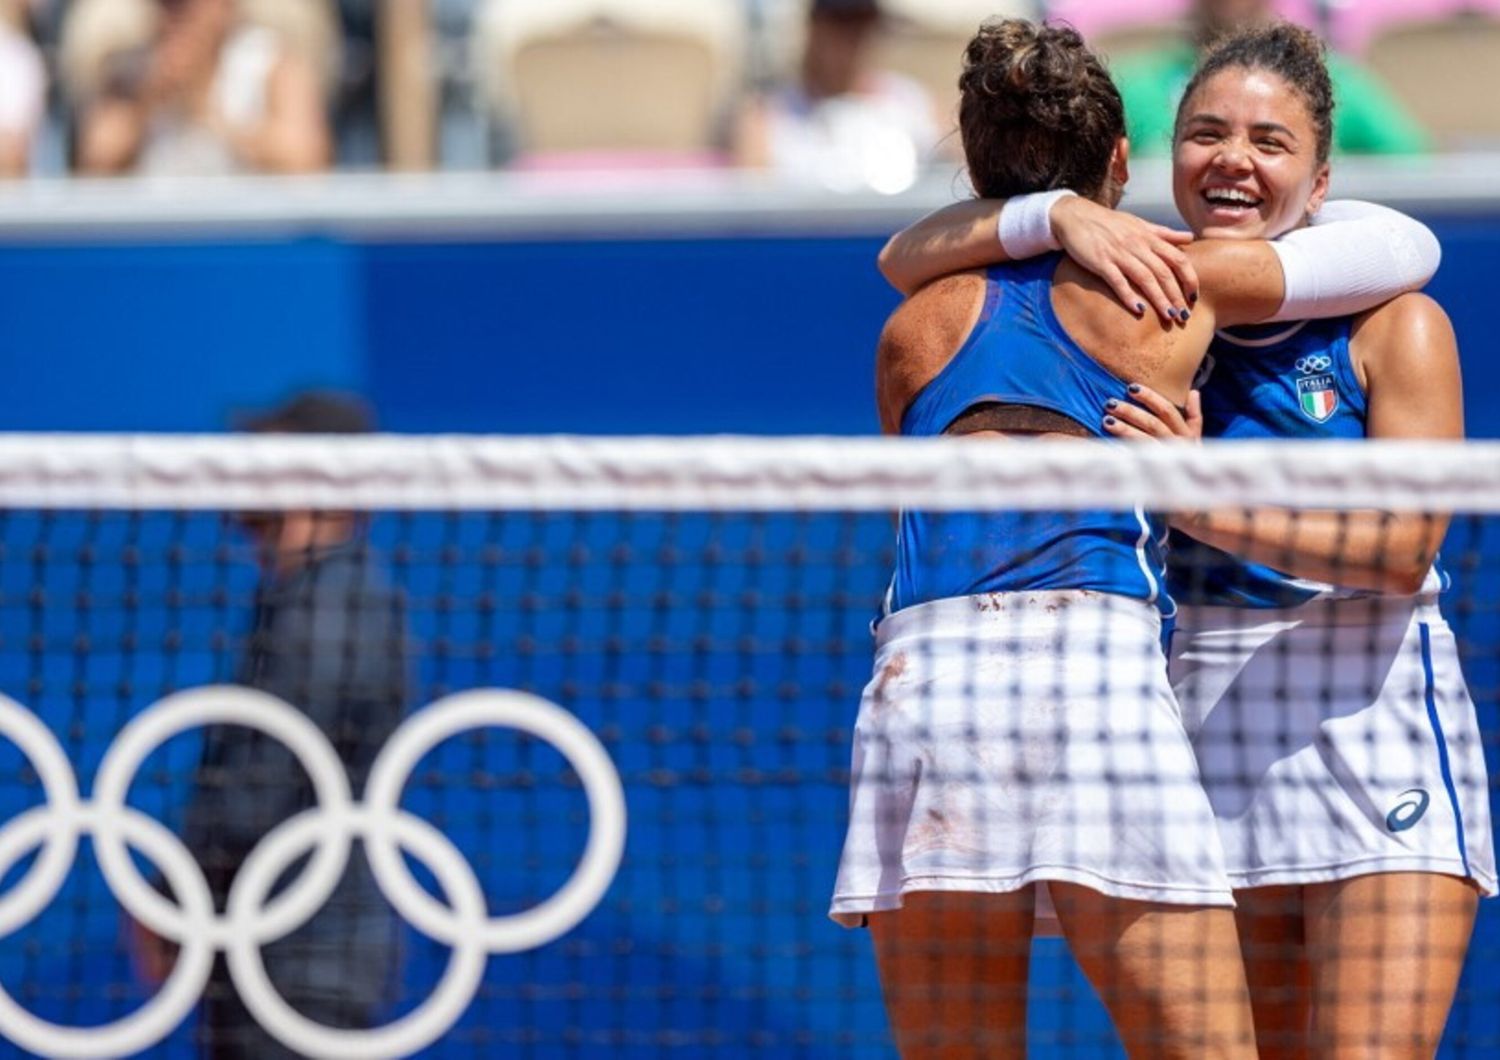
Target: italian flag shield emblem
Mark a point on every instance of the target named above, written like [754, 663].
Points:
[1317, 397]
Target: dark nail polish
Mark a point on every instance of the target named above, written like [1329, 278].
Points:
[1172, 313]
[1193, 298]
[1185, 315]
[1134, 388]
[1111, 404]
[1140, 307]
[1109, 421]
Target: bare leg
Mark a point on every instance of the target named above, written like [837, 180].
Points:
[953, 969]
[1170, 975]
[1271, 936]
[1386, 953]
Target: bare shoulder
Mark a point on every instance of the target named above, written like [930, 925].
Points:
[921, 337]
[1406, 355]
[941, 313]
[1413, 319]
[1410, 334]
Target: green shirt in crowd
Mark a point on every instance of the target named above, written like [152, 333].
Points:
[1367, 119]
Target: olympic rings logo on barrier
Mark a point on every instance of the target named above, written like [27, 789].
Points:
[1318, 362]
[250, 921]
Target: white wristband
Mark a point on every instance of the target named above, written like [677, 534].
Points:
[1026, 224]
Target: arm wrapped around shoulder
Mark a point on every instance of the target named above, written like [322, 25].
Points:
[1356, 256]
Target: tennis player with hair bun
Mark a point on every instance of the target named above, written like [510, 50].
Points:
[1322, 688]
[1020, 728]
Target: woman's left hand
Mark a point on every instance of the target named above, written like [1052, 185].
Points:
[1148, 415]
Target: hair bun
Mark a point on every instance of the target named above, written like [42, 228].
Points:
[1032, 73]
[1038, 110]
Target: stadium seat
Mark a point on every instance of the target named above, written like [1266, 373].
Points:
[1305, 12]
[1099, 18]
[1423, 61]
[1356, 26]
[95, 30]
[1119, 28]
[617, 76]
[926, 41]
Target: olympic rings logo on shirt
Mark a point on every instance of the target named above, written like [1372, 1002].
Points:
[251, 920]
[1319, 362]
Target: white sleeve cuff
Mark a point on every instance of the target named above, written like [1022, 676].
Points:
[1355, 257]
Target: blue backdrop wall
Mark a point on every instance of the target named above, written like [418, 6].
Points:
[673, 335]
[755, 335]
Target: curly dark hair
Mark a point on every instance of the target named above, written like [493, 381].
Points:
[1038, 111]
[1296, 55]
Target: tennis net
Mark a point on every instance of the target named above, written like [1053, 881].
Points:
[542, 746]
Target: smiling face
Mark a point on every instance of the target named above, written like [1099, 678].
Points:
[1246, 163]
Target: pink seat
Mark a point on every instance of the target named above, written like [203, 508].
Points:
[1096, 18]
[1355, 25]
[1302, 12]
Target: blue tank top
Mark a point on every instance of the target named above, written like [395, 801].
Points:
[1273, 381]
[1019, 354]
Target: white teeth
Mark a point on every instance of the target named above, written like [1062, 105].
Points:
[1231, 195]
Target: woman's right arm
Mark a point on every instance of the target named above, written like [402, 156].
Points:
[956, 238]
[1142, 262]
[1360, 256]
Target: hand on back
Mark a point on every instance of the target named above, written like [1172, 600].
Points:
[1141, 262]
[1149, 416]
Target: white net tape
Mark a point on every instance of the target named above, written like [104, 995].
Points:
[734, 474]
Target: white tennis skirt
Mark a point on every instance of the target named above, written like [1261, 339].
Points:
[1336, 739]
[1012, 738]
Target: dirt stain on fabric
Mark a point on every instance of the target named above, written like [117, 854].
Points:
[880, 697]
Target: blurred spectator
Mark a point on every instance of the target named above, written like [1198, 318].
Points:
[329, 637]
[23, 90]
[843, 124]
[1370, 120]
[209, 93]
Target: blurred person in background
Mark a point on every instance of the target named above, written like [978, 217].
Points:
[843, 123]
[1370, 119]
[210, 94]
[329, 637]
[23, 90]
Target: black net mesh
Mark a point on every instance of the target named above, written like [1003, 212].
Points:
[718, 660]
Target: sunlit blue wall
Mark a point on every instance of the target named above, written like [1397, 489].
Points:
[679, 335]
[673, 335]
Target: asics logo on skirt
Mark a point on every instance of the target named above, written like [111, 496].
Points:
[1408, 811]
